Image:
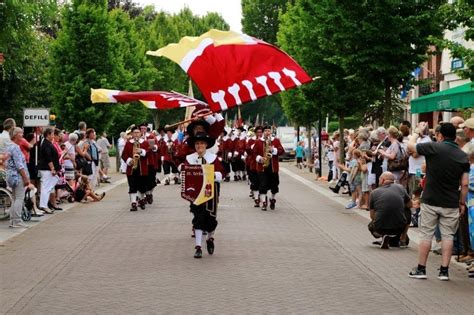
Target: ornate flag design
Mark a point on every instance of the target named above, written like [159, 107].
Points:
[231, 68]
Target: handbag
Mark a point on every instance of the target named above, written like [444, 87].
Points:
[398, 163]
[83, 165]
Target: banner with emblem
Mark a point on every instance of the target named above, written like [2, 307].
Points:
[197, 183]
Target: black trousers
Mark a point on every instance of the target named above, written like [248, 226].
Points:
[238, 165]
[226, 166]
[137, 183]
[169, 167]
[253, 178]
[205, 215]
[377, 233]
[268, 180]
[151, 178]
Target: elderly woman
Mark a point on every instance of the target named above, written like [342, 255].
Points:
[205, 214]
[17, 177]
[69, 157]
[394, 152]
[49, 166]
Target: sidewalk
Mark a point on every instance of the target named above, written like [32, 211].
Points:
[6, 232]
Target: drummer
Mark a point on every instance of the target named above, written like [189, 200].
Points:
[205, 214]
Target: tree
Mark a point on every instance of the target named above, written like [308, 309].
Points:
[381, 42]
[24, 74]
[260, 20]
[458, 15]
[83, 59]
[306, 35]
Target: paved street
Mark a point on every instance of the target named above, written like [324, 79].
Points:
[308, 256]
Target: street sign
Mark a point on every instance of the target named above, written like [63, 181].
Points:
[35, 117]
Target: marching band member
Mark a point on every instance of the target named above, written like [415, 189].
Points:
[267, 150]
[159, 138]
[227, 153]
[168, 150]
[152, 161]
[252, 165]
[205, 214]
[134, 155]
[238, 164]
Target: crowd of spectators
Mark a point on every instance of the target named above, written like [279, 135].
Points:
[51, 165]
[410, 176]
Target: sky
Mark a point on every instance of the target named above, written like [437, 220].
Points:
[230, 10]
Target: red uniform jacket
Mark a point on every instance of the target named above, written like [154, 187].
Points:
[250, 162]
[227, 147]
[127, 156]
[258, 150]
[182, 150]
[168, 152]
[153, 154]
[239, 147]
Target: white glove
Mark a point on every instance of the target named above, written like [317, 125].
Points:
[162, 158]
[142, 152]
[274, 151]
[129, 161]
[259, 159]
[236, 153]
[243, 158]
[229, 155]
[220, 159]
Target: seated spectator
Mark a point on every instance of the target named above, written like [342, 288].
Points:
[387, 209]
[84, 191]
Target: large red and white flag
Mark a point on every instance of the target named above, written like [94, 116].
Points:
[151, 99]
[231, 68]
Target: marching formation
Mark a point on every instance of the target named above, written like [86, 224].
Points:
[249, 154]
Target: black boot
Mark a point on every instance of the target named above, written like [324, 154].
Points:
[210, 246]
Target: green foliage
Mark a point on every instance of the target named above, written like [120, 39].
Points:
[456, 15]
[23, 76]
[260, 18]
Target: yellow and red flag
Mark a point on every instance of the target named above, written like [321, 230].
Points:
[231, 68]
[151, 99]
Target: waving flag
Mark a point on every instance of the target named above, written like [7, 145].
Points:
[231, 68]
[151, 99]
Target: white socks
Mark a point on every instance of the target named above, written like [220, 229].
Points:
[263, 198]
[210, 235]
[273, 196]
[198, 237]
[133, 197]
[255, 194]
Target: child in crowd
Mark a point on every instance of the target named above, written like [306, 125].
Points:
[84, 190]
[353, 171]
[300, 154]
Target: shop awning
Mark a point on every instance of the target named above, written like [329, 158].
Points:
[451, 99]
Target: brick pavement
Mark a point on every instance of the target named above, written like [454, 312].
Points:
[308, 256]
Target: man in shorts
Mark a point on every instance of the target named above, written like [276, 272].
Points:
[447, 168]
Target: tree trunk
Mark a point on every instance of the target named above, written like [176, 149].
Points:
[387, 114]
[309, 159]
[342, 153]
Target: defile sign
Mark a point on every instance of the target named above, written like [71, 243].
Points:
[35, 117]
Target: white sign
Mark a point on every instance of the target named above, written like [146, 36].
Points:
[35, 117]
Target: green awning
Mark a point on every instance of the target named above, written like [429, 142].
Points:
[451, 99]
